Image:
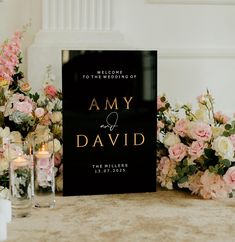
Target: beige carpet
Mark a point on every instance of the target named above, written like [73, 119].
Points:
[161, 216]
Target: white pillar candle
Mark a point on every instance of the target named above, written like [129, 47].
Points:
[5, 209]
[3, 228]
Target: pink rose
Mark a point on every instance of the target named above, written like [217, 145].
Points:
[39, 112]
[57, 159]
[221, 118]
[181, 127]
[201, 99]
[50, 91]
[196, 149]
[177, 152]
[213, 186]
[201, 131]
[160, 104]
[46, 120]
[25, 87]
[229, 177]
[232, 138]
[23, 107]
[164, 164]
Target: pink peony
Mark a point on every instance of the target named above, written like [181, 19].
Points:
[229, 177]
[196, 149]
[178, 152]
[24, 107]
[50, 91]
[181, 127]
[201, 131]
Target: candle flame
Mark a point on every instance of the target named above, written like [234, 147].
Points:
[43, 147]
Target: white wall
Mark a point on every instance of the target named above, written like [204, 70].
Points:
[196, 43]
[196, 46]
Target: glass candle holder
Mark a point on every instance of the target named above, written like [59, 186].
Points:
[20, 180]
[44, 179]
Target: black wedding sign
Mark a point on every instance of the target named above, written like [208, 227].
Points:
[109, 121]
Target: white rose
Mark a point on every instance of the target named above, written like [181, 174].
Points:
[59, 183]
[4, 165]
[4, 192]
[15, 136]
[4, 132]
[12, 151]
[56, 117]
[223, 147]
[171, 139]
[202, 115]
[217, 131]
[41, 133]
[39, 112]
[57, 145]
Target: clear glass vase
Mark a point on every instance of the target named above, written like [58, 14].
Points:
[20, 178]
[44, 178]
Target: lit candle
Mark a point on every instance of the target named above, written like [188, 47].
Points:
[43, 157]
[3, 228]
[5, 209]
[20, 161]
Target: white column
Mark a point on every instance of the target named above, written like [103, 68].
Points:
[76, 15]
[84, 15]
[107, 11]
[68, 15]
[60, 15]
[100, 15]
[79, 15]
[93, 15]
[53, 13]
[45, 14]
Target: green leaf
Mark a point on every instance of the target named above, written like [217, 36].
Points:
[225, 162]
[226, 134]
[178, 169]
[183, 179]
[192, 169]
[228, 126]
[216, 168]
[209, 153]
[211, 169]
[220, 171]
[185, 162]
[185, 169]
[232, 131]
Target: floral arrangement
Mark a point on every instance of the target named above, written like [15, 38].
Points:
[23, 112]
[195, 150]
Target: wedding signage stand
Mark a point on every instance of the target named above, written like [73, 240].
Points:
[109, 121]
